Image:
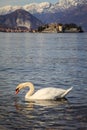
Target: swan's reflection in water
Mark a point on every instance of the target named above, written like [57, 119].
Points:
[50, 103]
[40, 114]
[30, 105]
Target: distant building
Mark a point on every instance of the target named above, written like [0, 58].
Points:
[60, 28]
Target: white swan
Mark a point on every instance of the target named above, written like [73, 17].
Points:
[44, 93]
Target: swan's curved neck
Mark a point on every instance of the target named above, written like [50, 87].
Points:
[31, 87]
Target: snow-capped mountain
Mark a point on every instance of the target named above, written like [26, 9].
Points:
[37, 8]
[44, 6]
[69, 3]
[32, 8]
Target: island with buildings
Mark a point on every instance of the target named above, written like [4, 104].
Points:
[60, 28]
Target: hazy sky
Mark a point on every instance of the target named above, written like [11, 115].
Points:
[23, 2]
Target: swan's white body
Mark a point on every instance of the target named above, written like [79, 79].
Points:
[44, 93]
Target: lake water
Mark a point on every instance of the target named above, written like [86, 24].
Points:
[57, 60]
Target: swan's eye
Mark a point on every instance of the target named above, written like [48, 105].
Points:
[17, 90]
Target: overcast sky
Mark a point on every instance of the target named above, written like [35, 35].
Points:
[23, 2]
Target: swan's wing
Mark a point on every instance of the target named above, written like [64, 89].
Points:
[48, 94]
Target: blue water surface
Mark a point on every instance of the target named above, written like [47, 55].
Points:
[46, 60]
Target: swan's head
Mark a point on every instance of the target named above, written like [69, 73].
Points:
[23, 85]
[19, 87]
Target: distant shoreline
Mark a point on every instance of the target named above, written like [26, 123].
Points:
[48, 28]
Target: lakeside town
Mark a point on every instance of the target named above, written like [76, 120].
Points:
[47, 28]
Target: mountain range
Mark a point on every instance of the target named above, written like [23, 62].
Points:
[64, 11]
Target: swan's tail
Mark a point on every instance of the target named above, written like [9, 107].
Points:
[66, 92]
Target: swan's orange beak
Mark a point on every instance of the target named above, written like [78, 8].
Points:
[17, 91]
